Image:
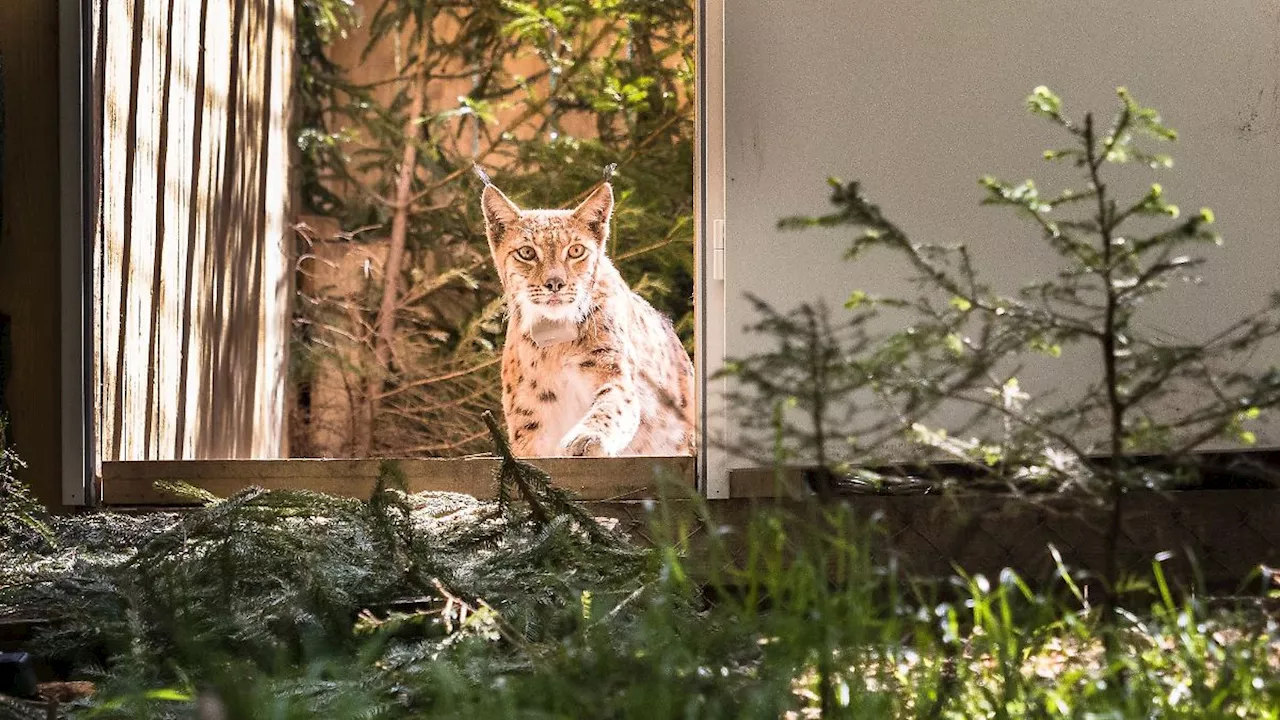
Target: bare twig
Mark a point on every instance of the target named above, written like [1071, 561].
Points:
[438, 378]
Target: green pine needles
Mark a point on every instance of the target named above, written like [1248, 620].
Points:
[21, 516]
[294, 604]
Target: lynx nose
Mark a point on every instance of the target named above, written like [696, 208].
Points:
[554, 284]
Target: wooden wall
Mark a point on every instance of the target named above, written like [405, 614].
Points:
[29, 239]
[193, 250]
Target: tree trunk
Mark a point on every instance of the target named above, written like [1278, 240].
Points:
[385, 328]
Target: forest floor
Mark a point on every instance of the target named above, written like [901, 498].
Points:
[292, 604]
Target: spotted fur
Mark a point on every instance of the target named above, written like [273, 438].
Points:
[621, 383]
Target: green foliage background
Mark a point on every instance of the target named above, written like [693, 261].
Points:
[624, 69]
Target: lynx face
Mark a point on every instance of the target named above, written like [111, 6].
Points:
[548, 259]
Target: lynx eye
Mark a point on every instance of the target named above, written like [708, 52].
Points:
[527, 253]
[577, 251]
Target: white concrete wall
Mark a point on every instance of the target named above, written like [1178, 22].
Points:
[919, 98]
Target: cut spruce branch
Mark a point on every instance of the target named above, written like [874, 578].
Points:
[546, 501]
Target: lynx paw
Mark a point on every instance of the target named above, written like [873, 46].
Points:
[585, 443]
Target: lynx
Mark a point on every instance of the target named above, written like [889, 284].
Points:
[589, 368]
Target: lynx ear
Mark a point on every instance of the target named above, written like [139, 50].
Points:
[594, 212]
[499, 213]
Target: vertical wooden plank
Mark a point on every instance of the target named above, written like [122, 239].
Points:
[139, 208]
[223, 240]
[275, 236]
[162, 41]
[218, 101]
[117, 81]
[99, 24]
[147, 158]
[189, 375]
[239, 362]
[172, 229]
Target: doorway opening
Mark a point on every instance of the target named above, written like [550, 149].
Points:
[287, 255]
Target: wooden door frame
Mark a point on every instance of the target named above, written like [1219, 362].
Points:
[79, 461]
[710, 300]
[81, 468]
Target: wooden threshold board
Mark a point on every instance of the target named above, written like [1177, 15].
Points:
[767, 483]
[132, 482]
